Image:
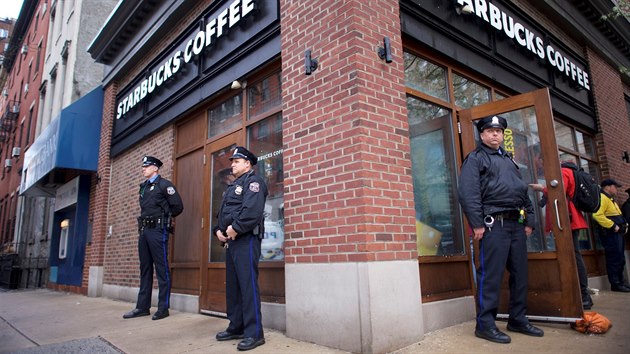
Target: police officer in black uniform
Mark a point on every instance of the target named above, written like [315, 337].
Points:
[159, 202]
[494, 198]
[240, 227]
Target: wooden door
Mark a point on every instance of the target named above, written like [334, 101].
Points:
[554, 292]
[219, 176]
[189, 176]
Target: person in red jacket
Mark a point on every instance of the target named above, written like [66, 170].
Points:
[578, 222]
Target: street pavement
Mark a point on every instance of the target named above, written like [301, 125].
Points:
[44, 321]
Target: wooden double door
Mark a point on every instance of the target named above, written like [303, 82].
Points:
[554, 292]
[202, 173]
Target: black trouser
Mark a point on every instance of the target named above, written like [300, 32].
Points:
[614, 245]
[153, 249]
[241, 281]
[581, 268]
[502, 247]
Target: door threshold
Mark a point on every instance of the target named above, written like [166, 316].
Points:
[505, 317]
[213, 313]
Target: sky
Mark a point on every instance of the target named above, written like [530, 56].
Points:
[10, 8]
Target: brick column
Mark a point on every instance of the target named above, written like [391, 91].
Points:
[99, 195]
[352, 277]
[612, 120]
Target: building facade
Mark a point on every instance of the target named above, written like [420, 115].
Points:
[57, 180]
[361, 114]
[52, 108]
[23, 61]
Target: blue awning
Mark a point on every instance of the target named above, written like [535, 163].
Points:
[70, 141]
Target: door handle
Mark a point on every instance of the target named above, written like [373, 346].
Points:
[555, 204]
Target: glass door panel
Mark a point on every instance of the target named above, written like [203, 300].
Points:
[221, 178]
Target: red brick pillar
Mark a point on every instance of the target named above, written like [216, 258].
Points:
[352, 277]
[612, 119]
[99, 196]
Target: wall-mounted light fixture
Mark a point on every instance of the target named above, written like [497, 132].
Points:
[385, 52]
[310, 64]
[625, 157]
[238, 84]
[463, 9]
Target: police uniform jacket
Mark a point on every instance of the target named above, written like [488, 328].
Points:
[159, 198]
[490, 183]
[243, 205]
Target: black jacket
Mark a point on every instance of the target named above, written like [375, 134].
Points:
[159, 198]
[243, 205]
[490, 182]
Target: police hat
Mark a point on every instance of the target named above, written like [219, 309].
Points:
[150, 160]
[491, 122]
[242, 153]
[610, 182]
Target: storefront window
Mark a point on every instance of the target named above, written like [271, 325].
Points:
[469, 93]
[432, 166]
[265, 140]
[579, 148]
[264, 95]
[585, 143]
[426, 77]
[225, 116]
[564, 137]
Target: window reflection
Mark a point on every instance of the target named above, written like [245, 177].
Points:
[221, 178]
[425, 76]
[469, 93]
[265, 140]
[264, 95]
[225, 116]
[432, 165]
[586, 145]
[564, 136]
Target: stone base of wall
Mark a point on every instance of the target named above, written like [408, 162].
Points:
[442, 314]
[366, 307]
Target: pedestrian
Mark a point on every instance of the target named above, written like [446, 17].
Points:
[578, 222]
[494, 198]
[614, 226]
[159, 202]
[240, 227]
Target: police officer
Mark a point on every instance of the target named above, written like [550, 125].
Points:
[159, 201]
[495, 200]
[240, 227]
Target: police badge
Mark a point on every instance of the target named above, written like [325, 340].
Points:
[238, 190]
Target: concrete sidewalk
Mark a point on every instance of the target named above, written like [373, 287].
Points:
[44, 321]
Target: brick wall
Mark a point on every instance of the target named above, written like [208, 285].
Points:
[94, 251]
[348, 188]
[121, 264]
[613, 123]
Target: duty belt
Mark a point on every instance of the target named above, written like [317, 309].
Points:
[507, 215]
[150, 222]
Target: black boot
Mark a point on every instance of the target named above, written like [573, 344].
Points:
[587, 302]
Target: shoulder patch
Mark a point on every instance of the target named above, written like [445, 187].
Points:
[170, 190]
[254, 187]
